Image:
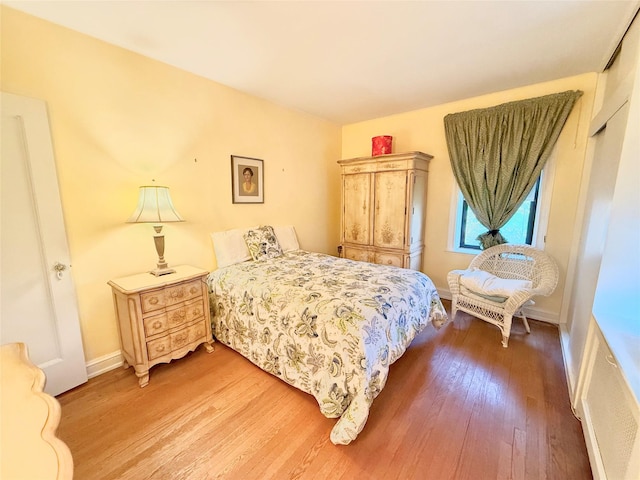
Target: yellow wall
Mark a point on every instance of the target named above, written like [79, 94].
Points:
[120, 120]
[423, 130]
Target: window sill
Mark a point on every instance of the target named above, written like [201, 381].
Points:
[468, 251]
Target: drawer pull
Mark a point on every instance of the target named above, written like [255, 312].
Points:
[157, 324]
[389, 262]
[160, 348]
[153, 300]
[193, 290]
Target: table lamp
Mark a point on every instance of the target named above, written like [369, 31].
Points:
[155, 206]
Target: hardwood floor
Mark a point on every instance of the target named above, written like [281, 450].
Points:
[456, 406]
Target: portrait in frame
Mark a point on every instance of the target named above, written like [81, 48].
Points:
[247, 179]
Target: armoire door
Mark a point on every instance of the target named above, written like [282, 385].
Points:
[356, 216]
[39, 306]
[390, 209]
[417, 214]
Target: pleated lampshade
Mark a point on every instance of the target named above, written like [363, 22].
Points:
[155, 206]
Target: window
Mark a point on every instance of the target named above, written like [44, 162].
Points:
[519, 228]
[531, 218]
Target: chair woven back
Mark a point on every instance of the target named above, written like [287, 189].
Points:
[521, 262]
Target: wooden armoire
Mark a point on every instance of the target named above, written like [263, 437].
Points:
[383, 208]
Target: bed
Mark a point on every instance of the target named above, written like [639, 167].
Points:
[329, 326]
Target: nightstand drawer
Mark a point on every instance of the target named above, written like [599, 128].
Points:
[166, 345]
[185, 313]
[168, 296]
[177, 340]
[159, 347]
[173, 318]
[155, 325]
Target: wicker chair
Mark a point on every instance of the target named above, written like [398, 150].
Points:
[506, 261]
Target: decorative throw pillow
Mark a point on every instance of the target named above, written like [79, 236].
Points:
[262, 243]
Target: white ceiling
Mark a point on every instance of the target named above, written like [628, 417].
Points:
[348, 61]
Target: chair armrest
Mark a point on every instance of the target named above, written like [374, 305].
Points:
[517, 299]
[459, 272]
[453, 279]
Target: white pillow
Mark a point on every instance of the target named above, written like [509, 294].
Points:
[287, 238]
[230, 246]
[487, 284]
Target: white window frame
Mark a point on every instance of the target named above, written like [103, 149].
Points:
[542, 212]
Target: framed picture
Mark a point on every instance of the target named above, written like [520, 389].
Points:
[247, 179]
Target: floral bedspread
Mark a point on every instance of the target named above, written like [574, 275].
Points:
[328, 326]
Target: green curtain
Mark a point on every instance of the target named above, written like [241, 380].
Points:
[498, 153]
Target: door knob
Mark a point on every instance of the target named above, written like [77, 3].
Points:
[59, 268]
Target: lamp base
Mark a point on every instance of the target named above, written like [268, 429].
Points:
[162, 271]
[158, 239]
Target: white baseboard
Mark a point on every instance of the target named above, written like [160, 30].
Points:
[104, 364]
[530, 312]
[565, 345]
[542, 315]
[446, 294]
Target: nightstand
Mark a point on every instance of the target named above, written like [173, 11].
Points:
[161, 318]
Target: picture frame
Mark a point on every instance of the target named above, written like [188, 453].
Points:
[249, 188]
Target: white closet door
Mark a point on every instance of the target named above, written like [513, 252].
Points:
[39, 305]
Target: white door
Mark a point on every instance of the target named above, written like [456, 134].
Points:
[597, 212]
[37, 294]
